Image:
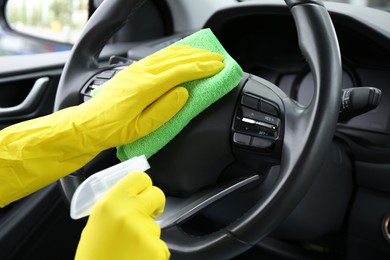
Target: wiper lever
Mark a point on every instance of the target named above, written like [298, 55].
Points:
[357, 101]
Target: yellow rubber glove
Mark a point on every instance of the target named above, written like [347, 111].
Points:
[121, 224]
[134, 103]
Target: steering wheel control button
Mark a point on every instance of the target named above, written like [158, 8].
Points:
[251, 121]
[99, 82]
[249, 101]
[259, 104]
[262, 143]
[242, 139]
[268, 108]
[252, 127]
[253, 143]
[260, 117]
[106, 74]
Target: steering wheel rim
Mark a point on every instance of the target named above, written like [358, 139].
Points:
[313, 125]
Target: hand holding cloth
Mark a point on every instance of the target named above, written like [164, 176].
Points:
[137, 101]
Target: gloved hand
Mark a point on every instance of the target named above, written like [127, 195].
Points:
[134, 103]
[121, 224]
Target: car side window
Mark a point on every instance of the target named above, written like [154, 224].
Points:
[43, 22]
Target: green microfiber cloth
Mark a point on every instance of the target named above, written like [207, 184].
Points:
[202, 93]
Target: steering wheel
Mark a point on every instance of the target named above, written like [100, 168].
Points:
[232, 147]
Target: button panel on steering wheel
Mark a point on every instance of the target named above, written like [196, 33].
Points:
[257, 125]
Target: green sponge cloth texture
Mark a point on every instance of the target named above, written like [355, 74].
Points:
[202, 93]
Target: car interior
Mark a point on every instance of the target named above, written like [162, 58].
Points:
[293, 163]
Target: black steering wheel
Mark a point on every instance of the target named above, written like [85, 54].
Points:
[230, 150]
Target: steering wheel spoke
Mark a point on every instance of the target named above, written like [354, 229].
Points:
[178, 210]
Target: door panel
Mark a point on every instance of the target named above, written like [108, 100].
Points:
[27, 96]
[19, 98]
[26, 222]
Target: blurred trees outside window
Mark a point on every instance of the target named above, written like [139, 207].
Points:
[57, 20]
